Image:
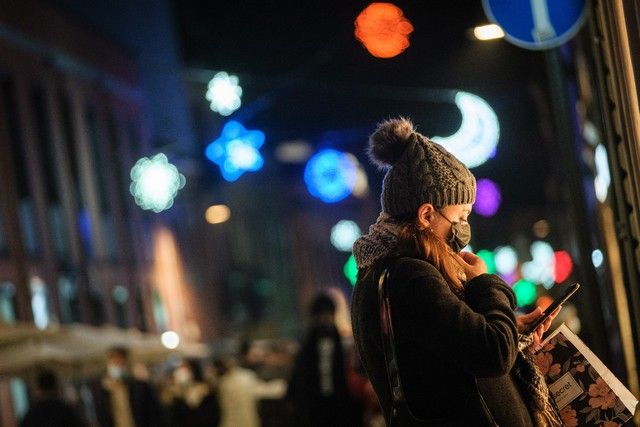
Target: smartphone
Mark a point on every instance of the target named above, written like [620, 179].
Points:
[557, 302]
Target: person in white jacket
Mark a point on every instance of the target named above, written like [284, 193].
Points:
[239, 390]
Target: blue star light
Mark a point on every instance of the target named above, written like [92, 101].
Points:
[236, 151]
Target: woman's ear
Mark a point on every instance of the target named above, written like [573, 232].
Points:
[425, 215]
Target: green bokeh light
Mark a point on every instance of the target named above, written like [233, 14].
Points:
[489, 259]
[525, 292]
[351, 270]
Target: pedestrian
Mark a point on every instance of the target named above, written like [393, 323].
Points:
[319, 390]
[239, 392]
[48, 408]
[191, 400]
[461, 358]
[123, 400]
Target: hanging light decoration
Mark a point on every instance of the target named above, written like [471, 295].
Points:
[155, 183]
[603, 175]
[488, 198]
[383, 30]
[351, 270]
[344, 234]
[236, 150]
[217, 214]
[525, 291]
[330, 175]
[223, 93]
[476, 140]
[506, 260]
[563, 266]
[597, 258]
[489, 259]
[541, 268]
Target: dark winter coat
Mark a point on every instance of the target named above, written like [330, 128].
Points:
[443, 342]
[312, 407]
[145, 406]
[52, 412]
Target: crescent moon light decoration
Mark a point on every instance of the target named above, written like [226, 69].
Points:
[476, 139]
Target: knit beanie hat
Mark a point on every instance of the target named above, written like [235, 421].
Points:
[418, 170]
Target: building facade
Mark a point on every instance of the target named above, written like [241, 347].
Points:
[73, 245]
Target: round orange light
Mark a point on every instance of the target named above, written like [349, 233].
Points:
[383, 30]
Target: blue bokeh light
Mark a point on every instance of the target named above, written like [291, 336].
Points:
[330, 175]
[236, 151]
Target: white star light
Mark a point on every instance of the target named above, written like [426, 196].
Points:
[155, 183]
[223, 92]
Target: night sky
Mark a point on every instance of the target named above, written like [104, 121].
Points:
[306, 76]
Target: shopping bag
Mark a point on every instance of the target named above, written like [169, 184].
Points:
[585, 391]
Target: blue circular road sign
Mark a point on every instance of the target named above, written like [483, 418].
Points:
[537, 24]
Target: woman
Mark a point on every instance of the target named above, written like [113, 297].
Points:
[454, 324]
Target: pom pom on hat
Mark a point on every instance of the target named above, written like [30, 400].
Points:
[417, 170]
[389, 141]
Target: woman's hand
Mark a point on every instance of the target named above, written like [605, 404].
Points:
[473, 265]
[523, 321]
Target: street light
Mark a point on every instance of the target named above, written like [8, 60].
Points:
[488, 32]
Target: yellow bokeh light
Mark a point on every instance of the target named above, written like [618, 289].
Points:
[383, 30]
[217, 214]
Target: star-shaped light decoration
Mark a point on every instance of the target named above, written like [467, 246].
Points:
[224, 92]
[236, 151]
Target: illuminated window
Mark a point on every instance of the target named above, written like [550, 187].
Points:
[69, 308]
[39, 303]
[7, 302]
[30, 237]
[603, 176]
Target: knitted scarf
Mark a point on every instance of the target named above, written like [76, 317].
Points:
[382, 241]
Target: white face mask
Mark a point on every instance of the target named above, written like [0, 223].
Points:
[182, 375]
[115, 371]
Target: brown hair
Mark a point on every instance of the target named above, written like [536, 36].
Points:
[422, 243]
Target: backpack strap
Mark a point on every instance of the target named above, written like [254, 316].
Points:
[388, 339]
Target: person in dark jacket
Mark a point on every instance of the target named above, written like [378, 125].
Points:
[454, 324]
[318, 390]
[192, 402]
[48, 409]
[124, 401]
